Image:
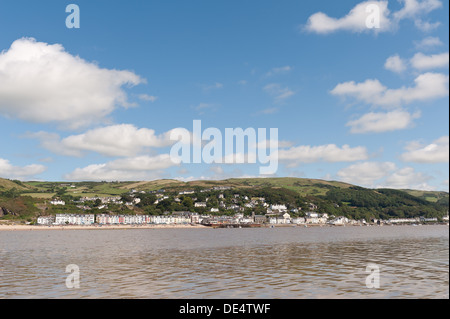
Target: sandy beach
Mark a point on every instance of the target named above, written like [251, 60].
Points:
[95, 227]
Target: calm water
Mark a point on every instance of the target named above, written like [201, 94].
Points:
[294, 262]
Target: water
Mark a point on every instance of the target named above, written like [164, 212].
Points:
[293, 262]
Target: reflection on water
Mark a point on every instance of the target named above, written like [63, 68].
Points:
[294, 262]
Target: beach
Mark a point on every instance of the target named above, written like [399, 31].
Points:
[95, 227]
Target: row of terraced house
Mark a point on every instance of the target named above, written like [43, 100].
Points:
[106, 219]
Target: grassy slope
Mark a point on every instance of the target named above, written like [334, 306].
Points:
[303, 186]
[6, 184]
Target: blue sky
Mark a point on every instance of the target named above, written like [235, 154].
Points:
[368, 106]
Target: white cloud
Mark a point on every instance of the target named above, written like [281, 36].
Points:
[7, 170]
[426, 26]
[354, 21]
[325, 153]
[395, 64]
[383, 122]
[146, 97]
[280, 70]
[421, 61]
[428, 86]
[436, 152]
[278, 92]
[129, 169]
[384, 175]
[428, 43]
[407, 178]
[414, 8]
[367, 173]
[42, 83]
[114, 140]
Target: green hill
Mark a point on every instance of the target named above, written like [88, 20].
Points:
[303, 186]
[6, 184]
[27, 200]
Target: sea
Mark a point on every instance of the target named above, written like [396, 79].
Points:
[356, 262]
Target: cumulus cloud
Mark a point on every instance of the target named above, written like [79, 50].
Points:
[114, 140]
[331, 153]
[367, 173]
[428, 86]
[129, 169]
[426, 26]
[355, 20]
[428, 43]
[384, 175]
[7, 170]
[383, 122]
[421, 61]
[408, 178]
[395, 64]
[414, 8]
[42, 83]
[436, 152]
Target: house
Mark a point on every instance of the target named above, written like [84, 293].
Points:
[45, 220]
[200, 204]
[57, 202]
[284, 218]
[299, 220]
[74, 219]
[195, 218]
[281, 208]
[341, 220]
[214, 210]
[260, 219]
[312, 218]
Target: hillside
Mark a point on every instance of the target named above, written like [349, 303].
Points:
[27, 200]
[6, 184]
[303, 186]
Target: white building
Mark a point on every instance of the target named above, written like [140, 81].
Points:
[299, 220]
[341, 220]
[200, 204]
[281, 208]
[45, 220]
[57, 202]
[72, 219]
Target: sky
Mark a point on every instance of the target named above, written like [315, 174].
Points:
[358, 90]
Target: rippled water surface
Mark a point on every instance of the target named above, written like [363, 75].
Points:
[292, 262]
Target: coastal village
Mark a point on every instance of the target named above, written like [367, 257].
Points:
[220, 207]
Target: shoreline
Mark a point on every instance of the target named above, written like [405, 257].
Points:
[165, 226]
[95, 227]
